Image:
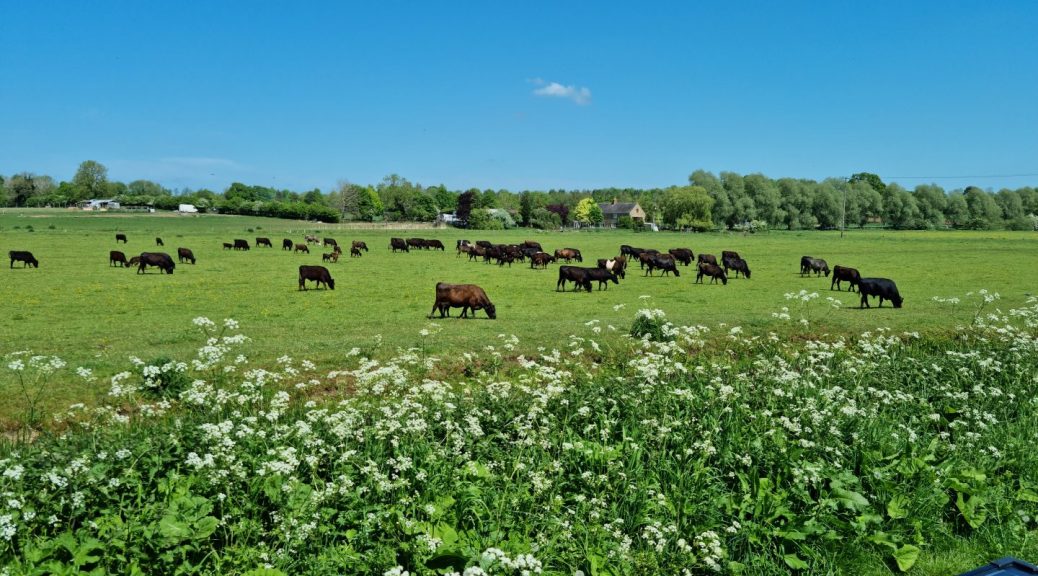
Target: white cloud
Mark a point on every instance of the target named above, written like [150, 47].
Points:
[581, 95]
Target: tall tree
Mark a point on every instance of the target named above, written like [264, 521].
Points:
[369, 204]
[871, 179]
[465, 205]
[526, 208]
[90, 180]
[687, 207]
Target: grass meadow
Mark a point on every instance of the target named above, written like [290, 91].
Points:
[766, 427]
[92, 315]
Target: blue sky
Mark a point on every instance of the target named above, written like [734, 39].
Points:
[519, 95]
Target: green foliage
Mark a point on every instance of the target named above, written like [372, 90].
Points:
[481, 219]
[588, 212]
[687, 207]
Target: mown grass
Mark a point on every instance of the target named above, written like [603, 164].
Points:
[77, 307]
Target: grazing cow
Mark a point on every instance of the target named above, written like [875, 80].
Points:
[707, 258]
[398, 244]
[435, 245]
[330, 242]
[477, 251]
[311, 239]
[354, 252]
[816, 265]
[630, 251]
[664, 262]
[578, 276]
[330, 257]
[240, 244]
[117, 257]
[541, 259]
[531, 244]
[415, 243]
[568, 254]
[119, 237]
[603, 276]
[26, 258]
[302, 248]
[729, 254]
[683, 255]
[465, 296]
[160, 260]
[185, 254]
[882, 287]
[228, 246]
[616, 265]
[337, 250]
[484, 243]
[714, 271]
[843, 273]
[360, 245]
[287, 244]
[158, 242]
[134, 262]
[263, 242]
[318, 274]
[737, 264]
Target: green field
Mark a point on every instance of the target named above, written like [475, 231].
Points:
[77, 307]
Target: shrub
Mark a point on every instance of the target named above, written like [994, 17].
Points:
[651, 324]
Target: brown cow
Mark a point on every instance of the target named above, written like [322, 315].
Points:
[330, 257]
[851, 275]
[359, 245]
[260, 241]
[135, 261]
[185, 254]
[568, 254]
[302, 248]
[541, 259]
[311, 239]
[318, 274]
[464, 296]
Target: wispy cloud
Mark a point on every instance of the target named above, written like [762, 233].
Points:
[581, 95]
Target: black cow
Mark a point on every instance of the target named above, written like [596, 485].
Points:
[714, 271]
[729, 254]
[882, 287]
[318, 274]
[302, 248]
[541, 259]
[119, 237]
[843, 273]
[603, 276]
[816, 265]
[263, 242]
[359, 245]
[683, 255]
[158, 242]
[435, 244]
[287, 244]
[117, 257]
[160, 260]
[240, 244]
[630, 251]
[355, 252]
[484, 243]
[415, 243]
[398, 244]
[185, 254]
[664, 262]
[330, 242]
[26, 258]
[737, 264]
[578, 276]
[531, 244]
[707, 258]
[228, 246]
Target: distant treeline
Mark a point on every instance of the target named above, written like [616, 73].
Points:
[726, 200]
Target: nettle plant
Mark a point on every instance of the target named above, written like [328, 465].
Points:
[698, 451]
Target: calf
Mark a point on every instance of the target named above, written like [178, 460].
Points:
[160, 260]
[603, 276]
[121, 237]
[117, 257]
[354, 252]
[185, 254]
[287, 244]
[26, 258]
[158, 242]
[134, 262]
[263, 242]
[311, 239]
[228, 246]
[398, 244]
[360, 245]
[240, 244]
[843, 273]
[882, 287]
[464, 296]
[714, 271]
[319, 274]
[302, 248]
[541, 259]
[578, 276]
[330, 257]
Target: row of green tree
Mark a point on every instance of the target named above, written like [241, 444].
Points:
[726, 200]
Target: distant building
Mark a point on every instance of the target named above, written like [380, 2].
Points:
[99, 204]
[187, 209]
[612, 212]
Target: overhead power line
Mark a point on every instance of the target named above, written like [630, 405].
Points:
[974, 176]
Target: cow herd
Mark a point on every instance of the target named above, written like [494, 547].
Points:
[471, 298]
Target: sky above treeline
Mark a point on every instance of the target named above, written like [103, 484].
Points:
[520, 95]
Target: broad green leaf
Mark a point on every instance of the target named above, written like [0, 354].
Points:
[1027, 495]
[446, 533]
[897, 508]
[972, 510]
[883, 539]
[906, 557]
[205, 527]
[850, 499]
[174, 529]
[794, 562]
